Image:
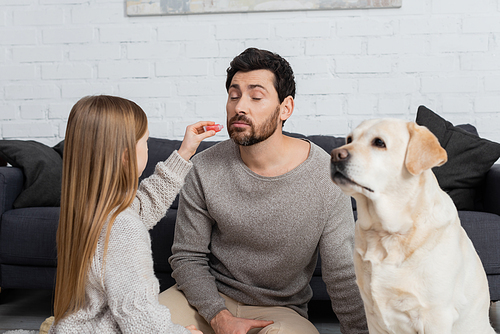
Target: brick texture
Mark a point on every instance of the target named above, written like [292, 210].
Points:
[349, 65]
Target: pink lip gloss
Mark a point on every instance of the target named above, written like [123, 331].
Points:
[216, 127]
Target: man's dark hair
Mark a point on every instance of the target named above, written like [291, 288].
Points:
[255, 59]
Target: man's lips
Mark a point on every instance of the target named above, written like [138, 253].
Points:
[240, 124]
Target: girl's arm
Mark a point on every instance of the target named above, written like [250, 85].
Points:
[157, 192]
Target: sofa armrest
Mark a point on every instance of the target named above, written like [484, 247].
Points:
[491, 196]
[11, 185]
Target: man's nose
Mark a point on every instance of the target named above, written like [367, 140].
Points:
[241, 107]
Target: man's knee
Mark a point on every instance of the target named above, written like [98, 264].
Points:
[281, 327]
[173, 298]
[181, 311]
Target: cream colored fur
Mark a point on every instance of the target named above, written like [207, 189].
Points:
[416, 268]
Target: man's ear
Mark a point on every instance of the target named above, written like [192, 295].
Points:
[286, 108]
[423, 151]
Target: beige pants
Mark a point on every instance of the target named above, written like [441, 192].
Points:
[286, 320]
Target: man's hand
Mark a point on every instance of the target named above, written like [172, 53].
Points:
[225, 323]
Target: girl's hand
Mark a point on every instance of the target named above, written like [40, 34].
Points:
[193, 137]
[193, 330]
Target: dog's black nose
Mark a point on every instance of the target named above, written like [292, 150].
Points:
[339, 154]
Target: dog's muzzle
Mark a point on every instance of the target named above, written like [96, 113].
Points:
[338, 168]
[340, 157]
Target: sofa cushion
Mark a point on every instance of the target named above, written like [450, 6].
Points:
[327, 143]
[42, 168]
[27, 277]
[469, 158]
[28, 237]
[484, 231]
[158, 150]
[11, 185]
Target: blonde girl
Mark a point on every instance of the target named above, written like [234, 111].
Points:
[105, 279]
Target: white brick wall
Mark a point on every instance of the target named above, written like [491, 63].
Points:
[350, 65]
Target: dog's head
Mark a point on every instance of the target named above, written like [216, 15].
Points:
[380, 154]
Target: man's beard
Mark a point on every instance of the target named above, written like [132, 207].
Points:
[255, 136]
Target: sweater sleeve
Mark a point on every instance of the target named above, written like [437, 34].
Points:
[337, 267]
[190, 259]
[131, 287]
[157, 192]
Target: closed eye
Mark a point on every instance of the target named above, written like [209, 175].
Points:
[377, 142]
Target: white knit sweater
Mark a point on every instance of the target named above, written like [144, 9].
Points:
[124, 297]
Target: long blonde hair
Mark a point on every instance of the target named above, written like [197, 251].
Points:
[99, 181]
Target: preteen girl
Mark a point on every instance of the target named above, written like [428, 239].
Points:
[105, 279]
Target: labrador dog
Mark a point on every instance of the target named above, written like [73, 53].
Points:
[416, 269]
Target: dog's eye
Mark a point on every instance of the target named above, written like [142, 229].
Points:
[378, 143]
[349, 140]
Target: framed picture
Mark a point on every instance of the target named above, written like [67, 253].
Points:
[171, 7]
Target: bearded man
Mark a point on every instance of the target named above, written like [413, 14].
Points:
[253, 215]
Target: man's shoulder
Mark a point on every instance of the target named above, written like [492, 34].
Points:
[320, 171]
[319, 157]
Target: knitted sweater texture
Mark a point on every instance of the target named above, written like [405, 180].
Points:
[122, 296]
[256, 239]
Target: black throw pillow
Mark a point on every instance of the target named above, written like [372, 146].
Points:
[42, 168]
[469, 158]
[59, 148]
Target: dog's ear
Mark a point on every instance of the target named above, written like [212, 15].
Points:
[423, 151]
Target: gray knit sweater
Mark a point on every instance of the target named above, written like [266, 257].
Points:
[256, 239]
[124, 297]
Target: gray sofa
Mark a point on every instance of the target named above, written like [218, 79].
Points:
[28, 234]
